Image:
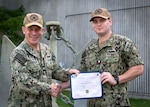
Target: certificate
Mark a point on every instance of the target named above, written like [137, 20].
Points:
[86, 85]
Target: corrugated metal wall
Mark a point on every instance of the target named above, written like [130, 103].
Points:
[133, 22]
[130, 18]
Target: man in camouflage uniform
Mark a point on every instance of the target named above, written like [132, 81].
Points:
[116, 57]
[33, 66]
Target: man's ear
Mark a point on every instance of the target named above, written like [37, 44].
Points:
[110, 20]
[42, 29]
[23, 29]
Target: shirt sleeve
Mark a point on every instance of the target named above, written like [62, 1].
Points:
[58, 72]
[131, 54]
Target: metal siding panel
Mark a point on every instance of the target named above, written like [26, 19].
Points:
[133, 23]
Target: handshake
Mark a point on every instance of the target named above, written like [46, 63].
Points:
[55, 89]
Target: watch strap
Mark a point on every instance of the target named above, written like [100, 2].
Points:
[116, 79]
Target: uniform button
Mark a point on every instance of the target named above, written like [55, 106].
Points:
[99, 61]
[44, 77]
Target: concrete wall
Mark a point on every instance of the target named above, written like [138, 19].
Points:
[5, 73]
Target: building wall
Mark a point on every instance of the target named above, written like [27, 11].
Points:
[130, 18]
[5, 73]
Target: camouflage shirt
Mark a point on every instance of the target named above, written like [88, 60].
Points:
[116, 56]
[31, 78]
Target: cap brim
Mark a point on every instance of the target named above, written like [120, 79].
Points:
[98, 17]
[33, 23]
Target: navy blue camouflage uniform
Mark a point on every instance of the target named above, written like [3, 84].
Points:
[116, 56]
[31, 79]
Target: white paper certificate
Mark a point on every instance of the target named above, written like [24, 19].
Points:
[86, 85]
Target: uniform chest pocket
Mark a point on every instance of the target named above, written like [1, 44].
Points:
[33, 66]
[90, 60]
[111, 57]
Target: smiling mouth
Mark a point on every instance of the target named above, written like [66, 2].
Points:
[99, 28]
[34, 37]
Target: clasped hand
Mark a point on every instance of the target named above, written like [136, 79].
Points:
[55, 89]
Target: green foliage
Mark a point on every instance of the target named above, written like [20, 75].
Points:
[11, 23]
[139, 102]
[62, 104]
[134, 102]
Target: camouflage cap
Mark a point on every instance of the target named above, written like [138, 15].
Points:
[33, 19]
[100, 12]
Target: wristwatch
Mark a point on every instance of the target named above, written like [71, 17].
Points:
[116, 79]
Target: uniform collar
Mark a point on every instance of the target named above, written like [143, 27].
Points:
[109, 42]
[33, 52]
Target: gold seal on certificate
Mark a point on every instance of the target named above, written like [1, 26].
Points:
[86, 85]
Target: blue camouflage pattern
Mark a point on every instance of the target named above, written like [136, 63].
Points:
[116, 56]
